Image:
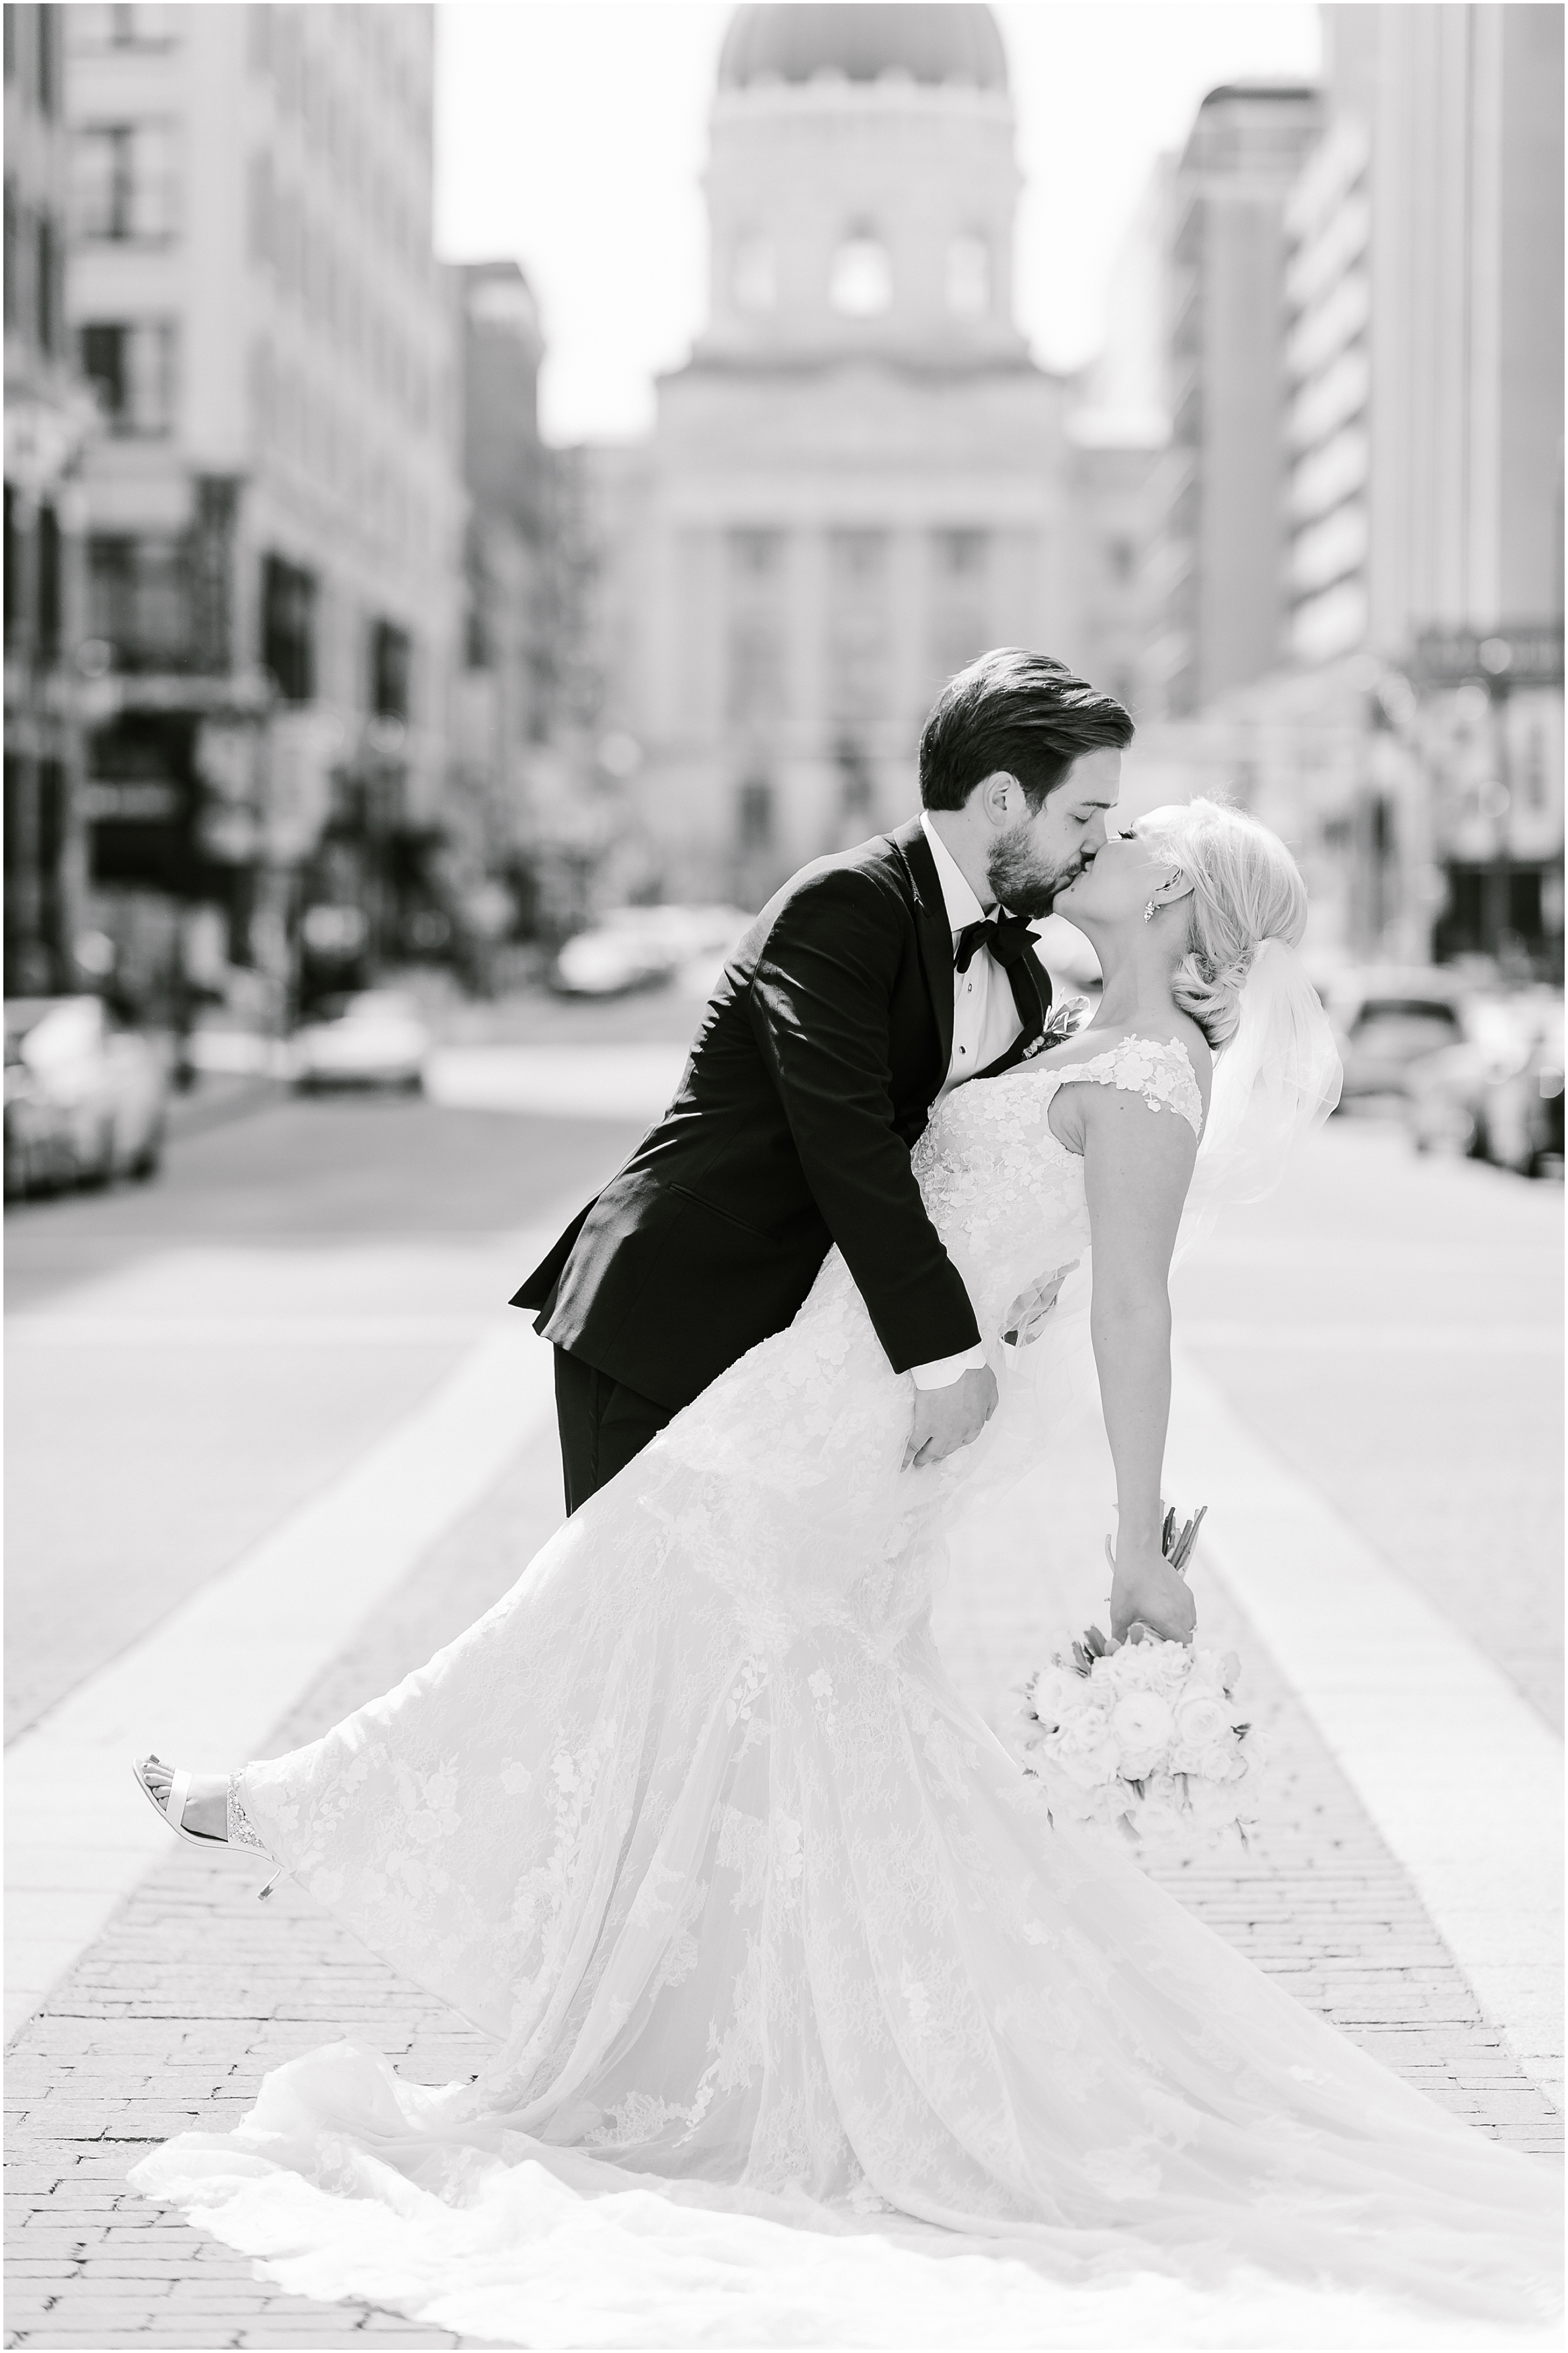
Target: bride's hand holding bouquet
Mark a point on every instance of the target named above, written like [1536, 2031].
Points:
[1148, 1588]
[1142, 1732]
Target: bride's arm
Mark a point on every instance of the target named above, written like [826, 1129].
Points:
[1137, 1166]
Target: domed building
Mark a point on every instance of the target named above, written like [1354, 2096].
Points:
[859, 481]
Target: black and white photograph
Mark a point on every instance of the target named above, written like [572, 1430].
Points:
[784, 1175]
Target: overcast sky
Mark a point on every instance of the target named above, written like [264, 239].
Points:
[572, 133]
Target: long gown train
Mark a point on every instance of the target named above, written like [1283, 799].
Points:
[794, 1986]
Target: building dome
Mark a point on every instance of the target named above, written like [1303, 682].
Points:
[928, 41]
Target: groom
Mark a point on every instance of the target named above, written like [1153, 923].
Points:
[870, 984]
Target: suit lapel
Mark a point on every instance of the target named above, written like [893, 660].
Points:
[1032, 995]
[932, 928]
[1031, 983]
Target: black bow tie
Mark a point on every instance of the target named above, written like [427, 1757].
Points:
[1010, 939]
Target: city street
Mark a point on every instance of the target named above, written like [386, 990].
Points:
[275, 1436]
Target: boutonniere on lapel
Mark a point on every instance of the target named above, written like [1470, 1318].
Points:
[1062, 1021]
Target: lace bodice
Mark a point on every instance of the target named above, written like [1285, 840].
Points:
[815, 1420]
[1003, 1191]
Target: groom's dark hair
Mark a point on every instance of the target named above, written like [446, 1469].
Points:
[1016, 710]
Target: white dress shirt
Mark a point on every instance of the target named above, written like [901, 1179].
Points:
[985, 1021]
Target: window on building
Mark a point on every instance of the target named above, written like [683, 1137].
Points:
[260, 207]
[13, 248]
[49, 588]
[286, 36]
[756, 692]
[857, 558]
[147, 28]
[288, 239]
[755, 555]
[18, 775]
[956, 639]
[47, 59]
[138, 601]
[122, 181]
[754, 815]
[969, 278]
[54, 807]
[755, 279]
[755, 649]
[13, 569]
[391, 665]
[959, 623]
[860, 280]
[962, 554]
[855, 795]
[859, 682]
[288, 627]
[130, 366]
[47, 283]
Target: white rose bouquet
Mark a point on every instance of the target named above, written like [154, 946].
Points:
[1144, 1736]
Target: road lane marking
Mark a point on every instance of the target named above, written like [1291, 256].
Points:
[210, 1681]
[1297, 1254]
[610, 1082]
[1380, 1338]
[66, 1330]
[1456, 1769]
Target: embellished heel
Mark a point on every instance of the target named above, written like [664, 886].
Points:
[241, 1834]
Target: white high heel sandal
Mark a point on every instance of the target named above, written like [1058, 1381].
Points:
[241, 1838]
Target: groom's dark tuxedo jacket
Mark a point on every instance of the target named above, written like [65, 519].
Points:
[813, 1073]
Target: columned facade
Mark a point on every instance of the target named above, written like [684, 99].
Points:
[859, 481]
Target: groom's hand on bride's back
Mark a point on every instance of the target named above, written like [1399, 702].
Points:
[947, 1419]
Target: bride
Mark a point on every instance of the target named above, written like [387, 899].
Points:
[795, 1986]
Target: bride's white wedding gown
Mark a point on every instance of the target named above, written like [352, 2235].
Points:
[795, 1986]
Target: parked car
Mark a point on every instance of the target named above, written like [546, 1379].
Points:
[1388, 1022]
[87, 1098]
[375, 1038]
[1498, 1095]
[643, 947]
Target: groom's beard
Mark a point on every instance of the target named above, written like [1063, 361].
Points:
[1025, 880]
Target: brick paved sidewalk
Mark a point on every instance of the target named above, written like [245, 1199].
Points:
[195, 1991]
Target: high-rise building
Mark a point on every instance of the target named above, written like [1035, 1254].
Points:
[859, 480]
[1328, 421]
[1219, 588]
[1413, 740]
[48, 419]
[274, 510]
[502, 704]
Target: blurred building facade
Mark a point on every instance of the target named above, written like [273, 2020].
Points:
[1397, 712]
[535, 813]
[273, 509]
[503, 697]
[861, 479]
[1218, 526]
[1119, 426]
[50, 418]
[1426, 289]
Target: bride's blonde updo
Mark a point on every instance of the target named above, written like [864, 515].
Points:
[1246, 889]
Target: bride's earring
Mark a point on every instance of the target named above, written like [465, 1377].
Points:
[1148, 913]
